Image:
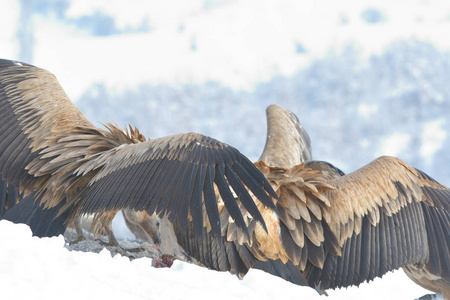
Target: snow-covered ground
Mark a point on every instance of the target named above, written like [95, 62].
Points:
[33, 268]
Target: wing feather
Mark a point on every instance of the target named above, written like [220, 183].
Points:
[301, 211]
[366, 223]
[211, 206]
[49, 147]
[133, 187]
[19, 154]
[183, 207]
[196, 207]
[160, 189]
[178, 190]
[149, 173]
[160, 180]
[228, 198]
[245, 198]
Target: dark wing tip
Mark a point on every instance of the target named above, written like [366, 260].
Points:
[287, 271]
[234, 170]
[151, 176]
[5, 63]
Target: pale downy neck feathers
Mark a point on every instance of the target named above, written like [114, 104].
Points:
[287, 142]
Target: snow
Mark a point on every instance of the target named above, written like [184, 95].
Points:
[433, 137]
[238, 44]
[34, 268]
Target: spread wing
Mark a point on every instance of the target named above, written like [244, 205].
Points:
[174, 176]
[236, 252]
[16, 208]
[355, 227]
[233, 253]
[400, 217]
[8, 196]
[34, 114]
[49, 148]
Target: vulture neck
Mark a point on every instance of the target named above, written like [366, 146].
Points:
[287, 143]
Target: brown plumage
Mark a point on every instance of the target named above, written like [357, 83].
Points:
[338, 230]
[48, 148]
[264, 250]
[341, 230]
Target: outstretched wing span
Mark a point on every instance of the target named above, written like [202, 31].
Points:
[49, 148]
[342, 230]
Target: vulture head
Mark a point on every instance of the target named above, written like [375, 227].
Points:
[144, 226]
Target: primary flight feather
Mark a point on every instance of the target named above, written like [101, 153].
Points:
[47, 147]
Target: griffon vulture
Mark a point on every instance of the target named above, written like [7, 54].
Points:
[337, 230]
[340, 230]
[55, 156]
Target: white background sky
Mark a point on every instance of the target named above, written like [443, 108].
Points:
[238, 43]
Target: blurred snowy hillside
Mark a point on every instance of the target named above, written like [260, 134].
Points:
[366, 78]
